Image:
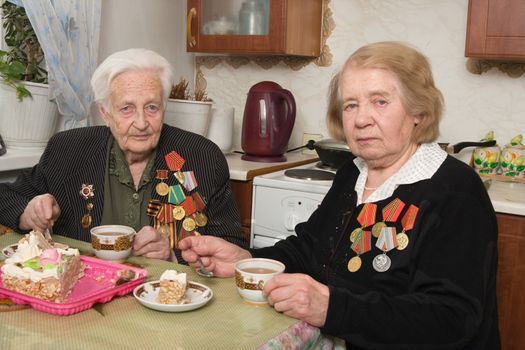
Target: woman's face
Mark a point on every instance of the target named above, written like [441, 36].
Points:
[375, 123]
[136, 112]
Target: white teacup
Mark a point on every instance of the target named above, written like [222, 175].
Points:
[251, 276]
[112, 242]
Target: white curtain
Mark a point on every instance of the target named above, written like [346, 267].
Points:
[68, 31]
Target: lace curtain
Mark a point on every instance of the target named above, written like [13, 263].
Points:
[68, 31]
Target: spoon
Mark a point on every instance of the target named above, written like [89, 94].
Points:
[202, 270]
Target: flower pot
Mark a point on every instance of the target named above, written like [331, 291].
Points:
[188, 115]
[28, 123]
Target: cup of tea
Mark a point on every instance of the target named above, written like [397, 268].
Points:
[112, 242]
[252, 274]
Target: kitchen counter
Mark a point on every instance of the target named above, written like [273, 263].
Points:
[508, 197]
[242, 170]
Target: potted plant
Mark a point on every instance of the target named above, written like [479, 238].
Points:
[187, 111]
[28, 117]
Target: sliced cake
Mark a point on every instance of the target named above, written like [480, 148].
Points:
[173, 286]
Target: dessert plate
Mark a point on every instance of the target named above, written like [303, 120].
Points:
[198, 295]
[9, 250]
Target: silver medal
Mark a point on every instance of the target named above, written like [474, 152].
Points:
[381, 263]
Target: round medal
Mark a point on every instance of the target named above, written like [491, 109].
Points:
[180, 177]
[188, 224]
[402, 240]
[201, 219]
[376, 229]
[354, 264]
[86, 221]
[381, 263]
[355, 233]
[162, 188]
[178, 212]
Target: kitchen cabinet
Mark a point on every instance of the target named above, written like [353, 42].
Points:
[496, 30]
[511, 280]
[263, 27]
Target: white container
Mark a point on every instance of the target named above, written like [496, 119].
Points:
[251, 276]
[220, 130]
[112, 242]
[188, 115]
[27, 124]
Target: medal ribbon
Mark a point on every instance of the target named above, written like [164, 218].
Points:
[409, 218]
[387, 239]
[189, 206]
[154, 207]
[165, 215]
[367, 216]
[174, 161]
[190, 182]
[199, 201]
[362, 243]
[162, 174]
[176, 194]
[392, 210]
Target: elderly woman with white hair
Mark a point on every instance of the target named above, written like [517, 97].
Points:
[164, 182]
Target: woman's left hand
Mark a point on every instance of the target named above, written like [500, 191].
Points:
[299, 296]
[150, 243]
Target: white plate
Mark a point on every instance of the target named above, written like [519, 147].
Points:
[9, 250]
[198, 294]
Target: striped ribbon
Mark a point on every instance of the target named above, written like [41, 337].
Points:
[409, 218]
[392, 210]
[367, 216]
[199, 201]
[189, 206]
[176, 195]
[387, 239]
[154, 207]
[174, 161]
[363, 242]
[190, 182]
[165, 215]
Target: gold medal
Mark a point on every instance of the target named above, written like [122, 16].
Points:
[162, 188]
[188, 224]
[201, 219]
[354, 234]
[354, 264]
[178, 212]
[86, 221]
[402, 240]
[179, 176]
[164, 230]
[376, 229]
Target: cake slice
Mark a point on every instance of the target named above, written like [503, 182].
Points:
[173, 286]
[41, 270]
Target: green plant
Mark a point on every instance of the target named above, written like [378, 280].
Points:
[180, 91]
[23, 60]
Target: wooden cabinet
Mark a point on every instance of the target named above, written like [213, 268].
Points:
[263, 27]
[496, 29]
[511, 281]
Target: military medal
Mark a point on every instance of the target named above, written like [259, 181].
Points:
[376, 229]
[381, 263]
[178, 212]
[355, 233]
[361, 245]
[162, 188]
[390, 214]
[180, 177]
[190, 182]
[201, 219]
[87, 192]
[188, 224]
[386, 241]
[407, 222]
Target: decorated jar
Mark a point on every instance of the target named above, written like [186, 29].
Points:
[513, 158]
[486, 159]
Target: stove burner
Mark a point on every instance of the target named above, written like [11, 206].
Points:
[310, 174]
[324, 166]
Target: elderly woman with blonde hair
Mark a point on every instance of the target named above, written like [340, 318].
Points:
[401, 253]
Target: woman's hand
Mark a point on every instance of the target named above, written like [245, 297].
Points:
[299, 296]
[150, 243]
[40, 213]
[216, 254]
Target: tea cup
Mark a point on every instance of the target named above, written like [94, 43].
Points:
[112, 242]
[252, 274]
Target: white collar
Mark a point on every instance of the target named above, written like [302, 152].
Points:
[421, 166]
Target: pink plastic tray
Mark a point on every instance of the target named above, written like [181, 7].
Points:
[97, 286]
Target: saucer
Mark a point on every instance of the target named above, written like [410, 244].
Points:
[198, 295]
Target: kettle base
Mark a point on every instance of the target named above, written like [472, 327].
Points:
[268, 159]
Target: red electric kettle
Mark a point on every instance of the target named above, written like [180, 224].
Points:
[269, 116]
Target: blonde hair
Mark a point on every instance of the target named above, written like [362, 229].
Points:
[419, 95]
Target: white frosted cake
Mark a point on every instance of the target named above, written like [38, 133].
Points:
[41, 270]
[173, 286]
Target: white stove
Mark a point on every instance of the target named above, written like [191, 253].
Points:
[280, 201]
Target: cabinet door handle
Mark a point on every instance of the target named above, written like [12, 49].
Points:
[192, 13]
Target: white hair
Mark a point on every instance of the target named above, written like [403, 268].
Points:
[130, 60]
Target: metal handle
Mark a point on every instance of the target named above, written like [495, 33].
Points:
[262, 117]
[190, 39]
